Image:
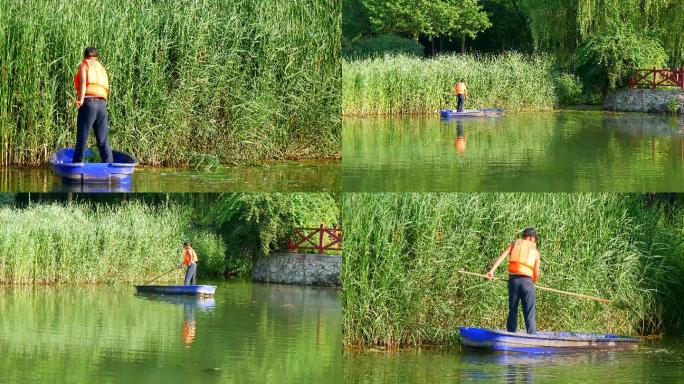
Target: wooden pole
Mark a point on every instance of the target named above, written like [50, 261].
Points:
[578, 295]
[167, 272]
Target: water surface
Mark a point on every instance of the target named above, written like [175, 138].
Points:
[318, 176]
[247, 333]
[564, 151]
[655, 362]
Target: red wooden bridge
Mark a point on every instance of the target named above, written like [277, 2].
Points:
[319, 239]
[654, 78]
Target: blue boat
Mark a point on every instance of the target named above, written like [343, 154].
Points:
[117, 172]
[204, 290]
[452, 113]
[542, 342]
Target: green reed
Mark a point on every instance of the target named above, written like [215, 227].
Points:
[236, 81]
[403, 253]
[412, 85]
[133, 242]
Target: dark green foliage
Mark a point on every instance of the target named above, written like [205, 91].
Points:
[382, 45]
[257, 224]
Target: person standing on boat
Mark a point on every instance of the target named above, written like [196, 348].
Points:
[92, 88]
[190, 261]
[523, 269]
[461, 92]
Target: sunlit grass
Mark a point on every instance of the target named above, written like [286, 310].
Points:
[412, 85]
[134, 242]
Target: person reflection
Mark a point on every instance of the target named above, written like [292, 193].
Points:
[189, 328]
[460, 141]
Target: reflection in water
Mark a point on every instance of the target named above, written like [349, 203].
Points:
[460, 141]
[571, 151]
[319, 176]
[247, 333]
[188, 330]
[189, 303]
[661, 361]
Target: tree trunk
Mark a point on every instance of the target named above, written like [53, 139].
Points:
[463, 37]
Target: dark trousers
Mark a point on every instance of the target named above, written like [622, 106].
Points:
[461, 99]
[93, 113]
[520, 288]
[190, 274]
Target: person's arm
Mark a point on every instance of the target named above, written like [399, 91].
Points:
[536, 270]
[465, 92]
[498, 261]
[82, 74]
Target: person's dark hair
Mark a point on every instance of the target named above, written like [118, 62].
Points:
[462, 80]
[90, 52]
[186, 243]
[530, 232]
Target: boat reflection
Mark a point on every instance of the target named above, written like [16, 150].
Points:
[520, 367]
[60, 186]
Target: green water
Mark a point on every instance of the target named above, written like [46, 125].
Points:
[656, 362]
[248, 333]
[310, 176]
[568, 151]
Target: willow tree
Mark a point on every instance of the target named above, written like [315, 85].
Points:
[560, 26]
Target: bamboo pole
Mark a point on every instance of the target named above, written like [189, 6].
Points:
[578, 295]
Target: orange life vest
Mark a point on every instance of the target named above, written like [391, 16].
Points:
[460, 88]
[97, 81]
[522, 260]
[190, 256]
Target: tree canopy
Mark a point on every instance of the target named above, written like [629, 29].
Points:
[558, 27]
[450, 18]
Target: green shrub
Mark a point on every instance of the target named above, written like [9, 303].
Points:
[609, 59]
[673, 107]
[569, 90]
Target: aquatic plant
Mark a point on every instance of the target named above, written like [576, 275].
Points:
[241, 81]
[673, 106]
[411, 85]
[403, 253]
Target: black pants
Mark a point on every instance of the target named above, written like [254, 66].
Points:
[190, 274]
[93, 113]
[520, 288]
[461, 99]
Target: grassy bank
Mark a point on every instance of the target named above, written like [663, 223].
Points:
[403, 253]
[191, 81]
[413, 85]
[51, 243]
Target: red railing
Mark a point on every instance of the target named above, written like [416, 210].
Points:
[653, 78]
[319, 239]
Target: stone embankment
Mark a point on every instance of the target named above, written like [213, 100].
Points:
[298, 268]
